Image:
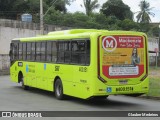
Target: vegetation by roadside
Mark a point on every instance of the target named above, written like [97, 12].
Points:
[154, 88]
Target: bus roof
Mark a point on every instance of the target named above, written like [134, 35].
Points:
[74, 33]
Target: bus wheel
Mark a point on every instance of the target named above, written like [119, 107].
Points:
[58, 88]
[22, 83]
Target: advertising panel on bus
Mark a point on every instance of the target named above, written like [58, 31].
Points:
[123, 56]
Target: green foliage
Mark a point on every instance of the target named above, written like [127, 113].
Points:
[154, 82]
[144, 15]
[154, 31]
[128, 24]
[96, 20]
[6, 8]
[61, 5]
[144, 27]
[118, 9]
[12, 9]
[90, 6]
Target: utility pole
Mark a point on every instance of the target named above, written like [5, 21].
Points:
[42, 15]
[41, 18]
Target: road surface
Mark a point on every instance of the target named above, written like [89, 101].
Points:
[14, 98]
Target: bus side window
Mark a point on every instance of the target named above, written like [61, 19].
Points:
[60, 49]
[67, 52]
[43, 51]
[49, 52]
[11, 54]
[74, 54]
[28, 51]
[15, 51]
[38, 51]
[78, 52]
[82, 52]
[54, 51]
[87, 52]
[33, 51]
[20, 52]
[24, 51]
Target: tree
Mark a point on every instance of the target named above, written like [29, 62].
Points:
[90, 6]
[118, 9]
[11, 9]
[6, 8]
[61, 5]
[155, 31]
[144, 15]
[128, 24]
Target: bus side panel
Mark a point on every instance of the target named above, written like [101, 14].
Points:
[41, 82]
[49, 76]
[14, 73]
[81, 81]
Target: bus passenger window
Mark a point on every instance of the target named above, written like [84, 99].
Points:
[43, 51]
[28, 51]
[78, 52]
[60, 57]
[74, 54]
[14, 51]
[20, 51]
[81, 47]
[33, 51]
[67, 52]
[88, 52]
[11, 55]
[38, 51]
[54, 51]
[49, 52]
[24, 51]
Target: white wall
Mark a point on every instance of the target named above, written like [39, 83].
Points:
[8, 33]
[10, 29]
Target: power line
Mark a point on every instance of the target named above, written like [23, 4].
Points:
[50, 7]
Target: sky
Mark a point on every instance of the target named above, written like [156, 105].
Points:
[133, 4]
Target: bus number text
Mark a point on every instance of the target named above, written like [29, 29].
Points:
[82, 69]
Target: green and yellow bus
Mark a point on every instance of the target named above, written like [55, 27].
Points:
[82, 63]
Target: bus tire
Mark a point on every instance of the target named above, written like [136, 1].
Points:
[58, 88]
[22, 82]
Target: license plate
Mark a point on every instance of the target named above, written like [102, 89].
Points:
[119, 89]
[123, 82]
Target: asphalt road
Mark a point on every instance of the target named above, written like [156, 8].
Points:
[14, 98]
